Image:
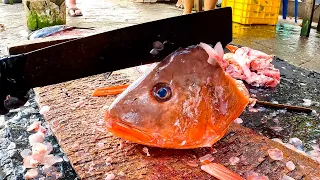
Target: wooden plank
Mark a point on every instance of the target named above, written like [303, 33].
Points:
[78, 130]
[307, 19]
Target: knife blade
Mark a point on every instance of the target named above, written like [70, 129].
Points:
[125, 47]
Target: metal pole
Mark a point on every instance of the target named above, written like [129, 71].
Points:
[284, 9]
[296, 4]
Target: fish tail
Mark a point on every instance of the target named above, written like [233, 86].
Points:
[220, 172]
[110, 90]
[232, 48]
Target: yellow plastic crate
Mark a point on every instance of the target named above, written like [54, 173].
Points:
[254, 11]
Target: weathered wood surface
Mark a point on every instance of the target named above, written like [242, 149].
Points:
[76, 130]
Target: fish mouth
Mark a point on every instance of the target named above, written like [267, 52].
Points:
[127, 132]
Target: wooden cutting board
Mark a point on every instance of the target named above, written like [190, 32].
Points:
[74, 118]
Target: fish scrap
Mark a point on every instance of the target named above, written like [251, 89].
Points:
[290, 165]
[252, 66]
[220, 172]
[40, 154]
[275, 154]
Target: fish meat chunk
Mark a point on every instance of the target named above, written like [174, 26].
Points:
[207, 157]
[49, 160]
[31, 174]
[34, 126]
[49, 147]
[285, 177]
[36, 138]
[220, 172]
[100, 145]
[256, 176]
[25, 152]
[290, 165]
[234, 160]
[110, 176]
[185, 101]
[275, 154]
[44, 109]
[252, 66]
[146, 150]
[39, 148]
[238, 121]
[29, 162]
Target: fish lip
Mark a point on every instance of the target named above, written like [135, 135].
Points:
[128, 132]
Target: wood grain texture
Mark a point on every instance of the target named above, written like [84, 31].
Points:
[76, 128]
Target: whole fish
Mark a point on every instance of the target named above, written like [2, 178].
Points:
[48, 31]
[185, 101]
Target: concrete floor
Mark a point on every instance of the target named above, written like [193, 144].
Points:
[100, 14]
[282, 40]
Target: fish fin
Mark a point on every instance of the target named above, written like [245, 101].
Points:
[220, 172]
[218, 48]
[232, 48]
[110, 90]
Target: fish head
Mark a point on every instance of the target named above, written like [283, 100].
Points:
[182, 102]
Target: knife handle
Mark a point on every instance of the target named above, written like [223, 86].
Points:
[13, 89]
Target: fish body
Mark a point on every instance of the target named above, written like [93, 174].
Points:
[47, 31]
[185, 101]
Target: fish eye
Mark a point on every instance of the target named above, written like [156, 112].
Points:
[162, 92]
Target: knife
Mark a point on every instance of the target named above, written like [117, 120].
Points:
[114, 50]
